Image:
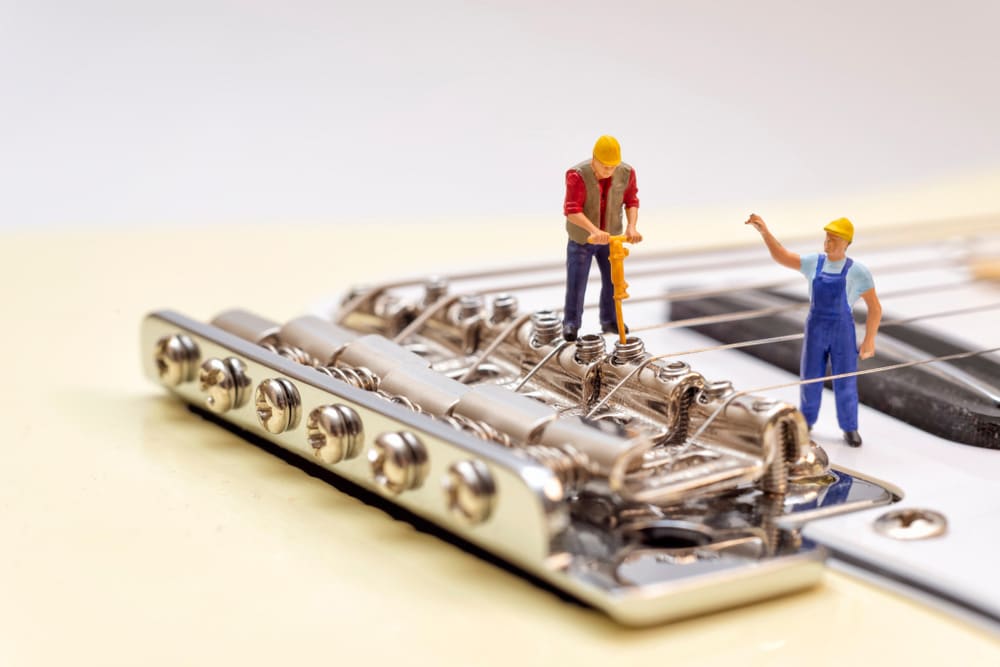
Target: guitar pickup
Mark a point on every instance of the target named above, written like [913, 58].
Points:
[633, 484]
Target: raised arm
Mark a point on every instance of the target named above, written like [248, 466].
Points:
[779, 253]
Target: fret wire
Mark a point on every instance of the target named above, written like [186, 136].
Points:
[774, 339]
[785, 385]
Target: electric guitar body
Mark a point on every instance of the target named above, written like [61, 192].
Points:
[296, 443]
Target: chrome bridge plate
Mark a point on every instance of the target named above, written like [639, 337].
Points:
[640, 564]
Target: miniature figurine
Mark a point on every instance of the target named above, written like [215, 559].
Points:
[596, 191]
[830, 337]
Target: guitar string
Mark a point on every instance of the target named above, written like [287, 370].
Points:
[689, 440]
[690, 322]
[885, 238]
[676, 324]
[915, 240]
[906, 267]
[448, 299]
[983, 226]
[785, 308]
[777, 339]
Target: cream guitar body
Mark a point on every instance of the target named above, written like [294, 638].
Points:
[137, 532]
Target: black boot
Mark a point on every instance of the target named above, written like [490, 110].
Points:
[569, 334]
[852, 438]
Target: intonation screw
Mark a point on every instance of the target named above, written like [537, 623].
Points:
[911, 524]
[398, 461]
[225, 382]
[176, 359]
[336, 432]
[470, 491]
[278, 405]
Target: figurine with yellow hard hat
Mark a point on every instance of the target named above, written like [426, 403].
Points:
[837, 281]
[596, 192]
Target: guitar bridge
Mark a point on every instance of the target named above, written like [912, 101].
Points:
[633, 483]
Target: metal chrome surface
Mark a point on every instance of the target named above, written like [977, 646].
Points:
[542, 496]
[911, 524]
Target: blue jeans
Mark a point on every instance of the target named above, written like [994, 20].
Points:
[578, 260]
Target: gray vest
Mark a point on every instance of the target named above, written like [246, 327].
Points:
[592, 206]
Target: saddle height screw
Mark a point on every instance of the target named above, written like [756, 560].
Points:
[719, 389]
[504, 308]
[434, 288]
[632, 350]
[398, 462]
[469, 305]
[470, 491]
[278, 405]
[336, 432]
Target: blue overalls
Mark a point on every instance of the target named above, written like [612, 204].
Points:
[830, 336]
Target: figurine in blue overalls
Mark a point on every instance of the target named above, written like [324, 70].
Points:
[836, 283]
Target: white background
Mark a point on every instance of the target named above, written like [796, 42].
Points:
[184, 112]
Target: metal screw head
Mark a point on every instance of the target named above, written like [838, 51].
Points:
[278, 405]
[225, 382]
[470, 491]
[336, 432]
[504, 307]
[398, 462]
[764, 404]
[546, 327]
[590, 348]
[434, 288]
[672, 369]
[719, 388]
[632, 349]
[176, 359]
[911, 524]
[469, 305]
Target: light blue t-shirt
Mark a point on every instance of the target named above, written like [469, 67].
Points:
[859, 278]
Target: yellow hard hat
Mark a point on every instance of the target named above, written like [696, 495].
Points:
[841, 227]
[607, 151]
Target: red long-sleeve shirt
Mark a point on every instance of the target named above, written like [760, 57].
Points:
[576, 194]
